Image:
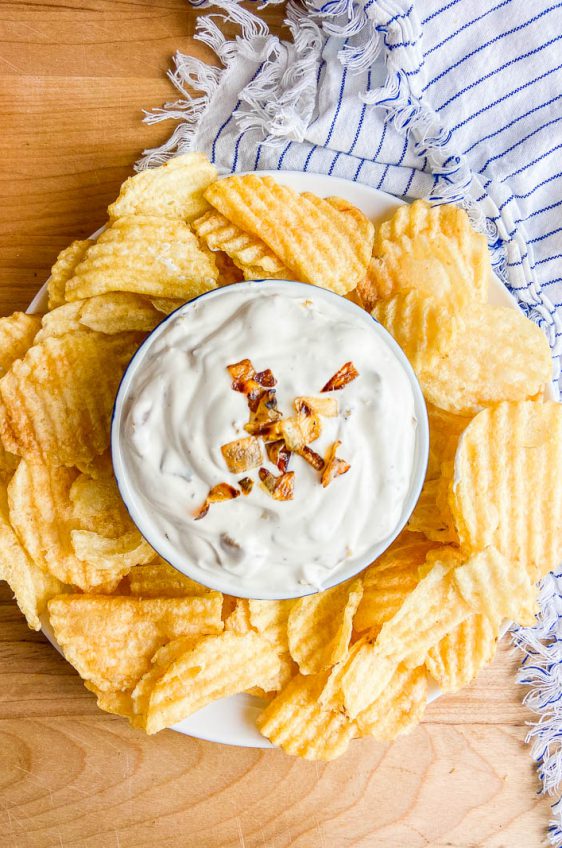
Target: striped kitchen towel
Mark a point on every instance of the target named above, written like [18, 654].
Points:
[450, 100]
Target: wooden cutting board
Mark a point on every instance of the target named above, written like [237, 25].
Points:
[73, 79]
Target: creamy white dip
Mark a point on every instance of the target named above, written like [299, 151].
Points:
[180, 409]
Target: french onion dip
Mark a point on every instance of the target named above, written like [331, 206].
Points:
[291, 519]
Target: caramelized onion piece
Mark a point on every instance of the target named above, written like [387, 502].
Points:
[326, 406]
[242, 454]
[300, 430]
[246, 485]
[346, 374]
[246, 380]
[220, 492]
[312, 458]
[334, 466]
[281, 488]
[279, 454]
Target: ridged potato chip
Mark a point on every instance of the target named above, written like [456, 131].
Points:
[63, 269]
[111, 313]
[160, 580]
[166, 305]
[173, 190]
[238, 620]
[32, 587]
[270, 619]
[159, 257]
[497, 587]
[110, 640]
[300, 724]
[159, 664]
[399, 707]
[320, 626]
[60, 321]
[388, 581]
[445, 429]
[456, 660]
[507, 489]
[498, 355]
[415, 320]
[17, 332]
[432, 249]
[218, 666]
[337, 256]
[117, 703]
[43, 517]
[432, 515]
[109, 553]
[57, 400]
[244, 249]
[119, 312]
[432, 610]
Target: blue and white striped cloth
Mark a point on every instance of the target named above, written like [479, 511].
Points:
[452, 100]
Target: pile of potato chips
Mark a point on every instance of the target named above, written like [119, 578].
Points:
[355, 660]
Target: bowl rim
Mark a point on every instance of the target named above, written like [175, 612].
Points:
[212, 581]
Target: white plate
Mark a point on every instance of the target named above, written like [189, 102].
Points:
[231, 721]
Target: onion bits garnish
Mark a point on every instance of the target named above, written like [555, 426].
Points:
[220, 492]
[346, 374]
[281, 488]
[334, 466]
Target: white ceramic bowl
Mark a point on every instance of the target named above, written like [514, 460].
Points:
[137, 506]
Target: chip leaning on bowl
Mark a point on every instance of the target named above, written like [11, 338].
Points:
[355, 660]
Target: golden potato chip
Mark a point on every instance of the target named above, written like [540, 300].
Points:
[97, 505]
[159, 664]
[228, 272]
[160, 580]
[63, 269]
[167, 305]
[218, 666]
[119, 312]
[337, 256]
[158, 257]
[507, 490]
[320, 625]
[110, 640]
[117, 702]
[173, 190]
[270, 619]
[57, 400]
[238, 620]
[399, 707]
[104, 535]
[456, 660]
[497, 587]
[297, 722]
[432, 249]
[432, 515]
[445, 429]
[32, 587]
[17, 332]
[416, 321]
[498, 355]
[60, 321]
[43, 518]
[388, 581]
[8, 464]
[107, 553]
[243, 248]
[430, 611]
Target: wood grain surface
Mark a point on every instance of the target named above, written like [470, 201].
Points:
[74, 77]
